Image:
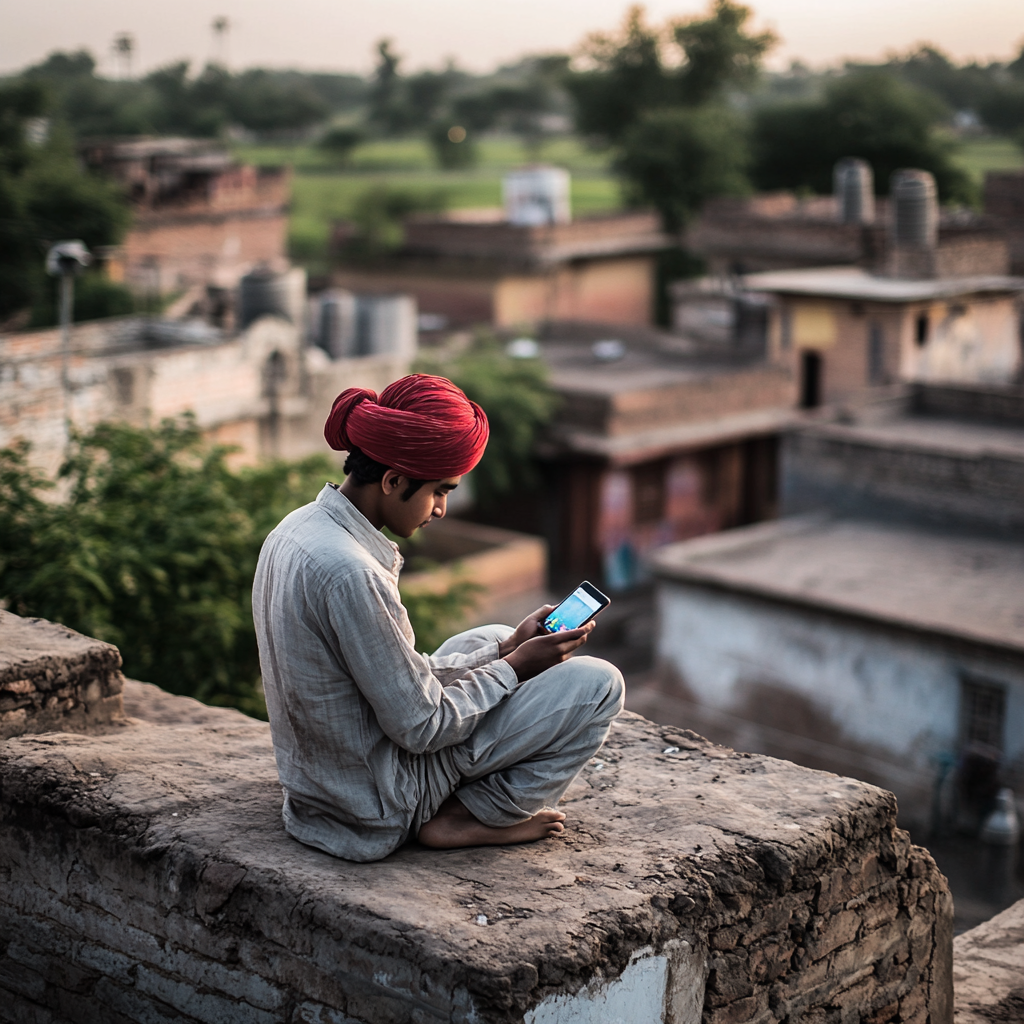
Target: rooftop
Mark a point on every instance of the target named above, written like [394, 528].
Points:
[857, 284]
[931, 434]
[956, 586]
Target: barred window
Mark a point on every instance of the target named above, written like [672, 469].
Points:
[982, 712]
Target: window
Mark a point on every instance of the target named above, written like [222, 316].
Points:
[921, 328]
[649, 493]
[982, 712]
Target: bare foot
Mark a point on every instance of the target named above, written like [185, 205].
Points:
[454, 826]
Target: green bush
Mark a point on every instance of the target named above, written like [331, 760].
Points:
[154, 548]
[518, 401]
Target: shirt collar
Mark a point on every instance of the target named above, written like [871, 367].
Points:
[347, 516]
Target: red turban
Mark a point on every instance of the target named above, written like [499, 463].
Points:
[424, 427]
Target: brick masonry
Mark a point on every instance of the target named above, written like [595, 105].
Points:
[146, 877]
[52, 678]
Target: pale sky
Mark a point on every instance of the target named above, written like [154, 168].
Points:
[339, 35]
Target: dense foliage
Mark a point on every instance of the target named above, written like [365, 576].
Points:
[685, 63]
[518, 401]
[172, 101]
[153, 548]
[46, 196]
[871, 115]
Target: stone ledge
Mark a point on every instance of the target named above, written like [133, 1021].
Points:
[147, 875]
[54, 679]
[988, 970]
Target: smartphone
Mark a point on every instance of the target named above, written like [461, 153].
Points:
[578, 608]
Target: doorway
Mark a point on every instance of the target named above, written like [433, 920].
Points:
[810, 379]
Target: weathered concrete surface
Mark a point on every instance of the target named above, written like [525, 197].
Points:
[146, 877]
[52, 678]
[988, 970]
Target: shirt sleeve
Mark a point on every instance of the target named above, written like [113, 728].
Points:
[412, 706]
[450, 667]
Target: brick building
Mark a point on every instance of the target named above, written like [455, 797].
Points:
[478, 268]
[781, 231]
[1004, 205]
[199, 217]
[263, 389]
[843, 331]
[658, 444]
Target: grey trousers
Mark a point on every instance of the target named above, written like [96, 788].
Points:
[526, 751]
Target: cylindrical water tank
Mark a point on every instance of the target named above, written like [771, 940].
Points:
[537, 195]
[263, 293]
[334, 323]
[385, 325]
[854, 189]
[915, 209]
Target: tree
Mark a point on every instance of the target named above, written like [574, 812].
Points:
[685, 63]
[869, 114]
[719, 54]
[518, 401]
[45, 196]
[627, 77]
[677, 158]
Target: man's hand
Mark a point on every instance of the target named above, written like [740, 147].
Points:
[526, 630]
[534, 656]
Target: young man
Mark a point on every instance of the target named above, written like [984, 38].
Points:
[376, 743]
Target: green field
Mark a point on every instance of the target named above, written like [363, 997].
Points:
[981, 155]
[325, 191]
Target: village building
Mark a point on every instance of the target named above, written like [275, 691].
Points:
[844, 331]
[199, 218]
[784, 231]
[877, 629]
[653, 440]
[261, 388]
[521, 266]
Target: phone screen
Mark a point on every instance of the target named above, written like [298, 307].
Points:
[572, 612]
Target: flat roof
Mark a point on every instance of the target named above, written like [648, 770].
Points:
[575, 369]
[856, 283]
[956, 586]
[932, 434]
[645, 445]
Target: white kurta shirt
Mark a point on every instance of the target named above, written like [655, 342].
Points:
[360, 721]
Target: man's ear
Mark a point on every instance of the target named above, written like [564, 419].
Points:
[390, 481]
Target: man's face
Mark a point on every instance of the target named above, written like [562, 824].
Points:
[404, 518]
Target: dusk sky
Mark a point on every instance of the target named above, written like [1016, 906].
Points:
[338, 35]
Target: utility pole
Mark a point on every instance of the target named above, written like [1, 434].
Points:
[220, 25]
[124, 47]
[65, 260]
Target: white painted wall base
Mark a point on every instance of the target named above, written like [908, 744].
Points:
[665, 989]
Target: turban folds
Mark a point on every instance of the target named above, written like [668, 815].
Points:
[422, 426]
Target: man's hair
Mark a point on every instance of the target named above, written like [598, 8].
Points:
[365, 470]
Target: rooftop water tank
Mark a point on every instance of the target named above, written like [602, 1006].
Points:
[333, 323]
[537, 195]
[265, 292]
[385, 325]
[915, 209]
[854, 189]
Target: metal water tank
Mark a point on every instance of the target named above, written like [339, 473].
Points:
[385, 325]
[333, 322]
[537, 195]
[854, 188]
[915, 209]
[263, 292]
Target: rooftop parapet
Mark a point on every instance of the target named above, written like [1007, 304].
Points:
[147, 875]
